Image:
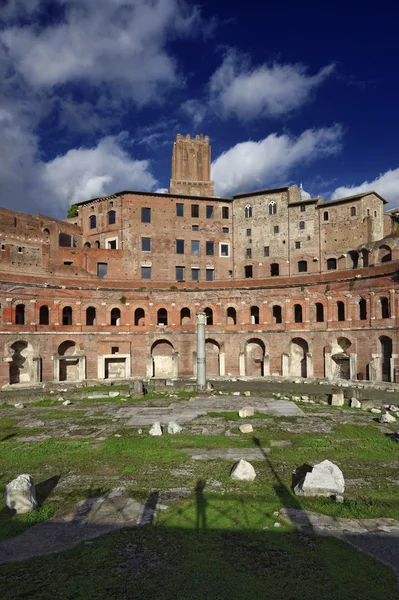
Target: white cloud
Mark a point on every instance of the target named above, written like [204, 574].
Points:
[250, 165]
[98, 42]
[387, 185]
[248, 92]
[196, 110]
[83, 173]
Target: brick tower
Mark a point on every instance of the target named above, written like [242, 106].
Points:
[191, 166]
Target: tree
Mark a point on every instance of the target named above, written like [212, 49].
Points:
[73, 211]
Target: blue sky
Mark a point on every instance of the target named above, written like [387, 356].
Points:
[94, 91]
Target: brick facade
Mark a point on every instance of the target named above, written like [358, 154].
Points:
[113, 292]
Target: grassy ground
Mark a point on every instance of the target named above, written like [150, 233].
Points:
[211, 544]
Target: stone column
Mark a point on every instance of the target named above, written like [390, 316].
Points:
[328, 371]
[353, 365]
[82, 368]
[221, 364]
[175, 358]
[242, 364]
[100, 367]
[285, 364]
[194, 364]
[392, 369]
[266, 365]
[56, 368]
[150, 366]
[309, 364]
[37, 363]
[201, 356]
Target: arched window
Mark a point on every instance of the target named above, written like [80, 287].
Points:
[302, 266]
[325, 215]
[65, 240]
[115, 317]
[90, 315]
[93, 221]
[185, 316]
[111, 217]
[277, 314]
[67, 315]
[139, 317]
[96, 244]
[297, 313]
[340, 310]
[301, 225]
[44, 315]
[248, 211]
[274, 269]
[385, 254]
[365, 257]
[209, 316]
[331, 264]
[46, 231]
[272, 208]
[231, 316]
[385, 312]
[162, 316]
[353, 211]
[355, 258]
[87, 245]
[254, 314]
[20, 314]
[362, 309]
[319, 312]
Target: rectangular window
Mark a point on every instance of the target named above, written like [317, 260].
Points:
[276, 229]
[179, 273]
[249, 253]
[210, 274]
[145, 272]
[249, 232]
[179, 246]
[195, 247]
[225, 212]
[266, 251]
[68, 263]
[224, 249]
[195, 227]
[303, 208]
[146, 244]
[225, 230]
[112, 244]
[297, 245]
[195, 211]
[210, 248]
[209, 212]
[179, 210]
[248, 271]
[145, 215]
[195, 274]
[114, 349]
[102, 269]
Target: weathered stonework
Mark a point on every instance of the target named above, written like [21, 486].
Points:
[75, 302]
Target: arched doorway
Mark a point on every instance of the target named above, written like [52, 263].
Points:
[298, 351]
[254, 357]
[21, 365]
[386, 355]
[212, 352]
[69, 362]
[162, 359]
[340, 357]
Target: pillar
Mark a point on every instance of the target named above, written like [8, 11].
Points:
[266, 365]
[242, 364]
[221, 364]
[175, 358]
[150, 366]
[201, 356]
[285, 364]
[328, 370]
[353, 366]
[309, 364]
[194, 364]
[82, 368]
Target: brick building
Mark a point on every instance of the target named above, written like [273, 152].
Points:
[291, 285]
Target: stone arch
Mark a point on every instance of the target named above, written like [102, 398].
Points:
[20, 314]
[185, 316]
[386, 356]
[298, 351]
[67, 315]
[87, 245]
[384, 254]
[277, 313]
[91, 314]
[319, 307]
[162, 353]
[21, 365]
[162, 316]
[254, 315]
[209, 315]
[212, 353]
[272, 207]
[97, 244]
[254, 357]
[139, 317]
[69, 365]
[44, 315]
[115, 317]
[231, 316]
[298, 313]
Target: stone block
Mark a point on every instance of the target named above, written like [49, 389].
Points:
[246, 411]
[20, 494]
[243, 471]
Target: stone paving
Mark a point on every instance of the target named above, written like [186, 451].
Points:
[226, 453]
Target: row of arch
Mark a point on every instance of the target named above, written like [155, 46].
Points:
[186, 314]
